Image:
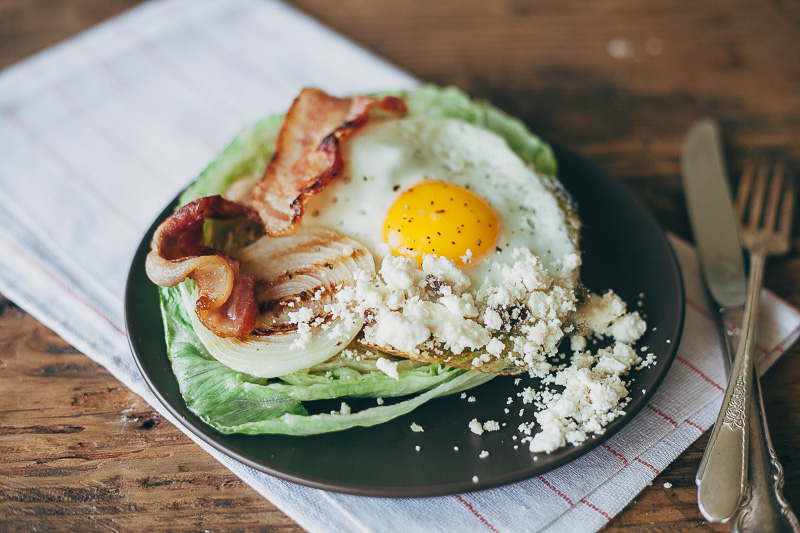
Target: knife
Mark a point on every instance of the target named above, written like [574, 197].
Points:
[722, 479]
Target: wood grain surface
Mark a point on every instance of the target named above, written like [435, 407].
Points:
[617, 81]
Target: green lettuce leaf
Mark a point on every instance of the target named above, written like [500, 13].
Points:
[352, 383]
[233, 402]
[295, 424]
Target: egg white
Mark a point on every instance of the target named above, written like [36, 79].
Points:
[389, 156]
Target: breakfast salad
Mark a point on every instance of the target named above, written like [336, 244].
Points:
[398, 247]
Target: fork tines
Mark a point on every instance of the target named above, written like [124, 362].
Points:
[765, 203]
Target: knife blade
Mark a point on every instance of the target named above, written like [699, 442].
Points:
[721, 489]
[714, 225]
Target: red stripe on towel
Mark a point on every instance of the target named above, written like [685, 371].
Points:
[695, 425]
[564, 496]
[22, 253]
[663, 415]
[596, 508]
[615, 453]
[648, 465]
[99, 64]
[189, 79]
[475, 513]
[710, 316]
[109, 135]
[700, 373]
[54, 156]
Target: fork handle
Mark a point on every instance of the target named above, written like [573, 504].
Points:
[722, 477]
[764, 507]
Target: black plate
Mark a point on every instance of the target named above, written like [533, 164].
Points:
[623, 248]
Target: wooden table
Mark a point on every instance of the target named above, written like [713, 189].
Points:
[618, 81]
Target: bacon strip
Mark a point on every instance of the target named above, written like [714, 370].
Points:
[308, 154]
[226, 304]
[307, 158]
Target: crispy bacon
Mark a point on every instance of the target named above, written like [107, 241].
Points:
[237, 315]
[308, 154]
[227, 303]
[307, 158]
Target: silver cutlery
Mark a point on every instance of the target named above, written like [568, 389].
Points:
[723, 476]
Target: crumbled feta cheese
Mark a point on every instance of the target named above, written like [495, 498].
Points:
[475, 479]
[528, 395]
[495, 347]
[667, 485]
[491, 425]
[484, 454]
[520, 317]
[344, 409]
[475, 426]
[649, 360]
[400, 272]
[416, 428]
[413, 305]
[492, 319]
[628, 328]
[304, 314]
[446, 270]
[399, 332]
[388, 367]
[303, 337]
[593, 390]
[577, 343]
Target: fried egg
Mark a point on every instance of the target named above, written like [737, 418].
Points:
[434, 185]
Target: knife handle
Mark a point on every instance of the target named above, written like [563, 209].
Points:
[722, 477]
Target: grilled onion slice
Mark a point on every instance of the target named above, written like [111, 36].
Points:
[296, 277]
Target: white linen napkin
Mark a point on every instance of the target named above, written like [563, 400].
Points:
[100, 132]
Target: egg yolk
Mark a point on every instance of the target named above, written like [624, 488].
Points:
[441, 219]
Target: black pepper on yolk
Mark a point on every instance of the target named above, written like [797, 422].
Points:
[442, 219]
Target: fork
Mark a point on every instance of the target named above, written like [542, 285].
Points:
[765, 207]
[764, 508]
